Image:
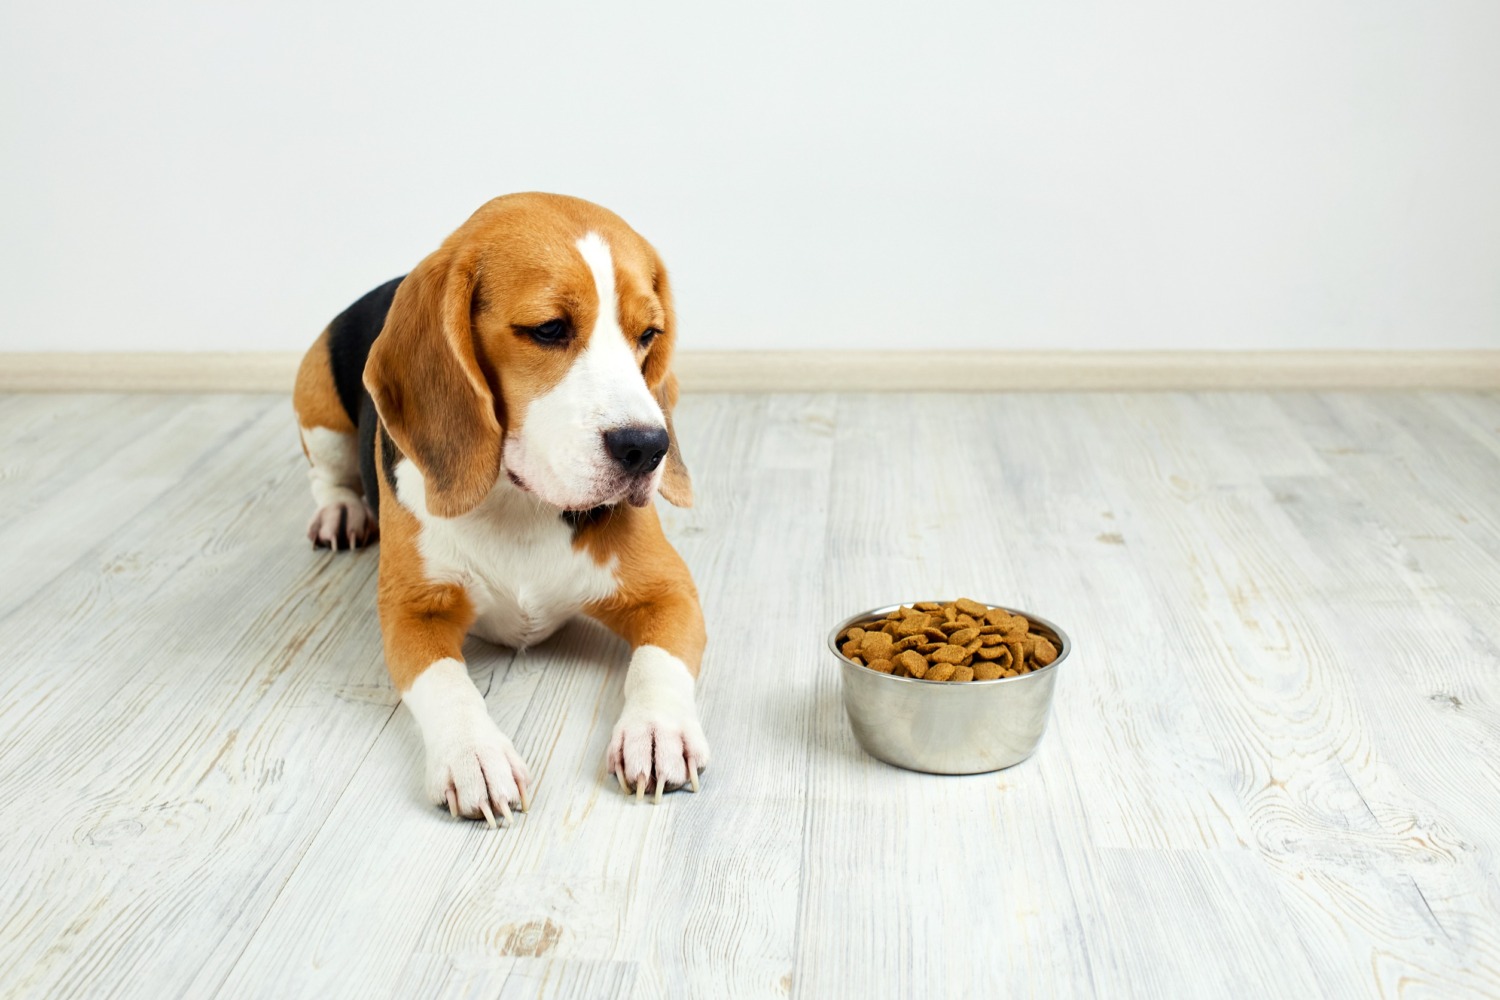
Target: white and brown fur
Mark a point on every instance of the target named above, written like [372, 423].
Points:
[460, 414]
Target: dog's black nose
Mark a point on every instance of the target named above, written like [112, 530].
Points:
[637, 449]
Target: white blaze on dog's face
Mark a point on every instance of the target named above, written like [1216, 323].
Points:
[598, 436]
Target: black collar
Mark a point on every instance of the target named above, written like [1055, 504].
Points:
[583, 518]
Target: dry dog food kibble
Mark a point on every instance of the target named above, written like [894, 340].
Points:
[962, 640]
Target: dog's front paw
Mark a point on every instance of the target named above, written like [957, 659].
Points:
[471, 767]
[477, 775]
[658, 742]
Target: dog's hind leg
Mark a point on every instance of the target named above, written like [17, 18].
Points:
[343, 519]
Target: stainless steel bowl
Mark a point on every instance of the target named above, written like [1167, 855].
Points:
[946, 728]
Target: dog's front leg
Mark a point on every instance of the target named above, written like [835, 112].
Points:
[472, 768]
[658, 742]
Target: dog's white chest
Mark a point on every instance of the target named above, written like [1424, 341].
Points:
[513, 556]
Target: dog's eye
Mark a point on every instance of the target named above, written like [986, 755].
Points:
[549, 334]
[649, 335]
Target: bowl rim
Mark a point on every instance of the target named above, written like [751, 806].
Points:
[833, 645]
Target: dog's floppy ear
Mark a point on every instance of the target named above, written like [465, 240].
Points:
[676, 485]
[428, 386]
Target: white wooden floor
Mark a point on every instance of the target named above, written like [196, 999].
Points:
[1273, 767]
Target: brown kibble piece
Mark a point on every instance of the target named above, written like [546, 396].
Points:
[992, 653]
[964, 636]
[969, 607]
[928, 606]
[1017, 654]
[936, 634]
[973, 646]
[910, 642]
[1042, 650]
[991, 640]
[928, 648]
[941, 671]
[949, 613]
[948, 654]
[963, 674]
[851, 648]
[1002, 622]
[856, 633]
[1002, 627]
[915, 625]
[882, 666]
[984, 670]
[912, 662]
[877, 646]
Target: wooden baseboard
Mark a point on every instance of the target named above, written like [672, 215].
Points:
[195, 371]
[846, 371]
[1061, 371]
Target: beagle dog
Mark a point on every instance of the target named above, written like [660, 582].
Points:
[501, 418]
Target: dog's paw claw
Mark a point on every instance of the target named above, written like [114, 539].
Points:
[479, 777]
[343, 524]
[657, 754]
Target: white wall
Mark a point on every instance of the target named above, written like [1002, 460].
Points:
[1159, 174]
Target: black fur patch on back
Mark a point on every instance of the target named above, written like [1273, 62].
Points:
[349, 338]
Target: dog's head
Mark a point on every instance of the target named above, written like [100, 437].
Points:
[535, 343]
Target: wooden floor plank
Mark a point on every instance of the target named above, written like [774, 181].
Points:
[1427, 683]
[48, 442]
[174, 737]
[1444, 511]
[1249, 596]
[555, 980]
[134, 453]
[1151, 778]
[1267, 771]
[1191, 923]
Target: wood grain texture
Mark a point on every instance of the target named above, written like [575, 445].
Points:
[837, 371]
[1271, 768]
